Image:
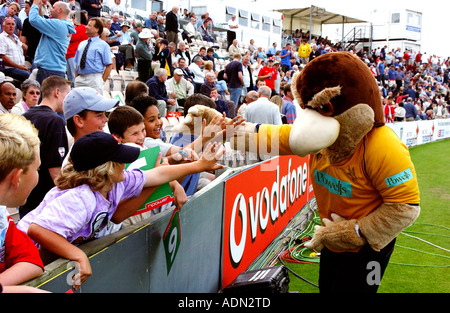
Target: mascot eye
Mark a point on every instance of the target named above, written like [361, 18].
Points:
[326, 109]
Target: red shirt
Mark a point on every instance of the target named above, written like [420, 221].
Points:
[418, 57]
[389, 113]
[265, 71]
[75, 40]
[18, 247]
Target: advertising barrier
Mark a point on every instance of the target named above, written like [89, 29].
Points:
[421, 132]
[259, 203]
[202, 247]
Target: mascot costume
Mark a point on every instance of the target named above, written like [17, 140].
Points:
[364, 180]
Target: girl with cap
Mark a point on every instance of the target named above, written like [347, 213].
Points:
[89, 190]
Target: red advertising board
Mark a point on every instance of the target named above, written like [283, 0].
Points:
[259, 203]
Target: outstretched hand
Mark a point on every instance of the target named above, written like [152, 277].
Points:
[211, 154]
[214, 130]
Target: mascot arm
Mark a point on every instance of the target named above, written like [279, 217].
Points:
[263, 139]
[378, 228]
[385, 223]
[273, 139]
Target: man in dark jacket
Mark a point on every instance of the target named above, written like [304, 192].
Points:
[157, 89]
[172, 25]
[93, 7]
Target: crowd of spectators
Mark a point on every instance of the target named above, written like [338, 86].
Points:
[414, 85]
[57, 56]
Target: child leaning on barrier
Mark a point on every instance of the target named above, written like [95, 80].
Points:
[147, 106]
[126, 124]
[19, 162]
[88, 192]
[186, 146]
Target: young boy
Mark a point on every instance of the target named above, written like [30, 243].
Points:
[88, 192]
[19, 163]
[186, 147]
[85, 112]
[126, 124]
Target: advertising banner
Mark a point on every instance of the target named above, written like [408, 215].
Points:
[259, 203]
[421, 132]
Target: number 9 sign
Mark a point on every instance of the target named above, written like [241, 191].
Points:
[172, 239]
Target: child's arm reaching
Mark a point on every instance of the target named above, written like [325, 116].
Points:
[179, 194]
[207, 162]
[59, 245]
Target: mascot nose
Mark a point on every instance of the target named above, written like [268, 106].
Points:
[312, 132]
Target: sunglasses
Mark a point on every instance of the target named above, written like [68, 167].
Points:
[34, 92]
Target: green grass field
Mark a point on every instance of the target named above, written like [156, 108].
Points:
[421, 259]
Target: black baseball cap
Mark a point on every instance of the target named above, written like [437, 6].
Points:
[96, 148]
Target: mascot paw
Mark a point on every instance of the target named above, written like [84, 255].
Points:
[192, 123]
[337, 233]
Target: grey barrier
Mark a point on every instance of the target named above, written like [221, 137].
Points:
[137, 259]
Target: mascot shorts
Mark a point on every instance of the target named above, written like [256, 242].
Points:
[356, 272]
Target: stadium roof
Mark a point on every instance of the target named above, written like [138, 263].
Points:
[318, 15]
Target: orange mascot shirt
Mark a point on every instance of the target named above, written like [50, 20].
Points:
[379, 171]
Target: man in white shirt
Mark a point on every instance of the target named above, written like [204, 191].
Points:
[190, 28]
[179, 88]
[233, 49]
[199, 78]
[116, 7]
[233, 25]
[233, 22]
[263, 111]
[12, 51]
[246, 74]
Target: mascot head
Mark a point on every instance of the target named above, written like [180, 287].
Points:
[336, 82]
[340, 99]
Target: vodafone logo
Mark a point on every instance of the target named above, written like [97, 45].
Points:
[252, 211]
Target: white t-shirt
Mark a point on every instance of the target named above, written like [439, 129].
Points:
[150, 143]
[233, 23]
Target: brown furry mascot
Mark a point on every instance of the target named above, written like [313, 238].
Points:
[363, 177]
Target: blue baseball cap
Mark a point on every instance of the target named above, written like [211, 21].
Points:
[86, 98]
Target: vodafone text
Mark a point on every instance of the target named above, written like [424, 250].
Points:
[271, 202]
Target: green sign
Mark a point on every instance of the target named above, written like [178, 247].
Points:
[163, 194]
[172, 239]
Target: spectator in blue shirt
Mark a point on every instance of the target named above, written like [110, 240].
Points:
[410, 110]
[50, 57]
[288, 109]
[285, 56]
[391, 74]
[151, 22]
[400, 75]
[272, 50]
[221, 105]
[97, 64]
[115, 24]
[380, 68]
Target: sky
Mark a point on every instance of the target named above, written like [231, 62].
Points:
[435, 23]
